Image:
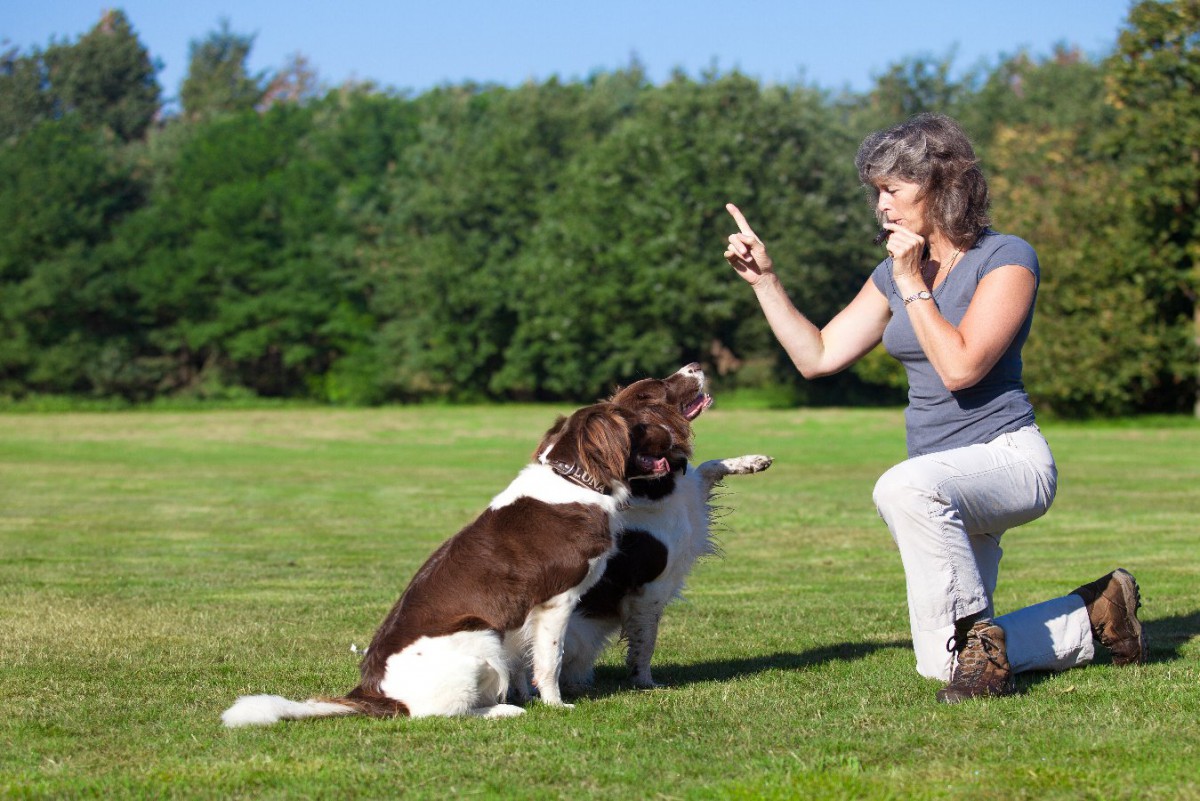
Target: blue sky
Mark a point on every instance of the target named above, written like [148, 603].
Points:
[833, 44]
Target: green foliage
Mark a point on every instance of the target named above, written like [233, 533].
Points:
[551, 240]
[1098, 347]
[233, 287]
[64, 311]
[1154, 84]
[218, 81]
[466, 198]
[23, 99]
[1064, 92]
[107, 78]
[624, 275]
[914, 85]
[359, 136]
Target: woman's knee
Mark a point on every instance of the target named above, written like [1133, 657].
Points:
[899, 490]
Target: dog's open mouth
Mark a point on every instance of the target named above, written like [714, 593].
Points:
[653, 467]
[701, 402]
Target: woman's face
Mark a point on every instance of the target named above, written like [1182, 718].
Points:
[900, 203]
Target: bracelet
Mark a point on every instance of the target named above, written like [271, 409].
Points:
[924, 294]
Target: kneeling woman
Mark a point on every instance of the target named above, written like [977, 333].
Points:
[953, 302]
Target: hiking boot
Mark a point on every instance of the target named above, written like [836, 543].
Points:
[1112, 603]
[980, 664]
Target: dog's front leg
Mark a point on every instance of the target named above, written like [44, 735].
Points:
[641, 632]
[716, 469]
[516, 650]
[548, 629]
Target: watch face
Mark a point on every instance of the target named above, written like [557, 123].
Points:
[924, 295]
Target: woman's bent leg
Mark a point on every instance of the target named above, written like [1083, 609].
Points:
[1052, 635]
[934, 657]
[946, 512]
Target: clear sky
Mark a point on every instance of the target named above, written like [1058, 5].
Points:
[833, 44]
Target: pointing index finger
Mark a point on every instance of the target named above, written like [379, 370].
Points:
[739, 218]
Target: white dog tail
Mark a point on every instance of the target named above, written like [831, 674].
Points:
[263, 710]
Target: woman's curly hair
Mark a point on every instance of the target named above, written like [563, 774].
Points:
[932, 151]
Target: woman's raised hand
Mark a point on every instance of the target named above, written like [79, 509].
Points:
[746, 252]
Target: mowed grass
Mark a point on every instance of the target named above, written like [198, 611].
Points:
[155, 565]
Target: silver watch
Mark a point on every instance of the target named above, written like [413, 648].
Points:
[924, 294]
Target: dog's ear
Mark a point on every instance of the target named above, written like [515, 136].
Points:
[602, 442]
[549, 437]
[641, 393]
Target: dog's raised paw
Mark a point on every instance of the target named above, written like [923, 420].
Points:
[743, 465]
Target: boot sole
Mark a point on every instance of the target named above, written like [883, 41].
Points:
[957, 697]
[1133, 600]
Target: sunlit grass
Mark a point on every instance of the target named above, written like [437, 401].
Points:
[155, 565]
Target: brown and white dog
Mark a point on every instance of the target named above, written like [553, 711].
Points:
[666, 528]
[503, 588]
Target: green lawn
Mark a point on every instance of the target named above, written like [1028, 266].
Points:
[155, 565]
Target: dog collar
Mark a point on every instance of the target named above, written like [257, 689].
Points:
[578, 476]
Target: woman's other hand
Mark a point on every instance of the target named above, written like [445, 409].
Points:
[908, 255]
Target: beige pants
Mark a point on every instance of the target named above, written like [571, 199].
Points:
[947, 512]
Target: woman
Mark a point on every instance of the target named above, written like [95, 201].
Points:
[953, 302]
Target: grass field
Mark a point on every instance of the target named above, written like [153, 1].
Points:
[155, 565]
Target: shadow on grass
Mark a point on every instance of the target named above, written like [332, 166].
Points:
[1168, 635]
[613, 679]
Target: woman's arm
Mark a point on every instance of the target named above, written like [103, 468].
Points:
[816, 352]
[962, 356]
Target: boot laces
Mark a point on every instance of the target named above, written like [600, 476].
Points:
[972, 661]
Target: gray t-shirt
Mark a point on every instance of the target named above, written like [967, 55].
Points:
[936, 418]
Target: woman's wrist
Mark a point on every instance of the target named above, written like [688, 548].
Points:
[768, 282]
[907, 287]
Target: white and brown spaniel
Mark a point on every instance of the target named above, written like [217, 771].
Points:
[666, 528]
[501, 590]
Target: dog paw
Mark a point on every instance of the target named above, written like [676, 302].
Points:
[501, 711]
[744, 465]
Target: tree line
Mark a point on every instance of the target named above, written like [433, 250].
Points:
[362, 245]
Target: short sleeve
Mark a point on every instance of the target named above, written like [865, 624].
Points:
[1012, 250]
[882, 276]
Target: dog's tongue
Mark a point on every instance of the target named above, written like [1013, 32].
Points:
[656, 466]
[698, 405]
